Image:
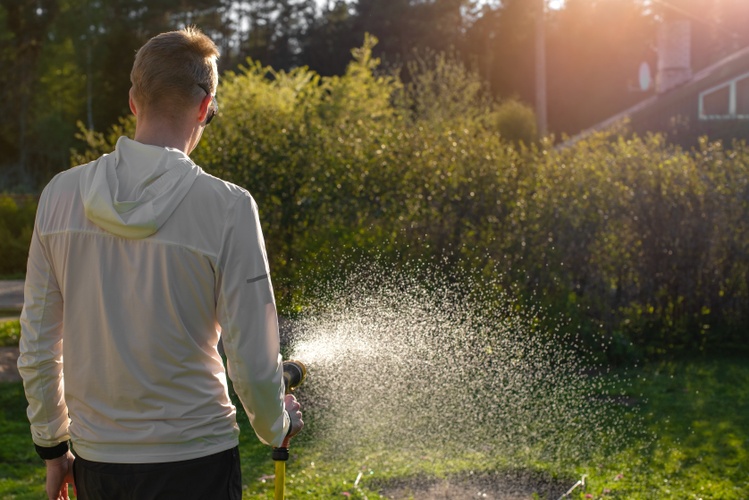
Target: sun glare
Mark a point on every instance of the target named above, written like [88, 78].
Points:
[552, 4]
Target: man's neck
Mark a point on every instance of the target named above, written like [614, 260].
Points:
[163, 136]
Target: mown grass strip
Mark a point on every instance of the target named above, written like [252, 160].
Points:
[696, 418]
[10, 332]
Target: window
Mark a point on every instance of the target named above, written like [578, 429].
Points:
[727, 101]
[742, 97]
[717, 102]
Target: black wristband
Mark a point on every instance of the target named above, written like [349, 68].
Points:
[290, 426]
[51, 452]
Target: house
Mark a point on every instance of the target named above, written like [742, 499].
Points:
[712, 102]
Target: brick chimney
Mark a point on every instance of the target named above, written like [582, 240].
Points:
[674, 54]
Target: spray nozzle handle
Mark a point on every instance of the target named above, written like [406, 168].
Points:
[294, 373]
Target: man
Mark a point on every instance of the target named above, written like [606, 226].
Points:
[139, 263]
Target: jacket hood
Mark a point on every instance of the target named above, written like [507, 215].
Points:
[133, 191]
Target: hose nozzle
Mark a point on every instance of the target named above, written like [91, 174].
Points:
[294, 373]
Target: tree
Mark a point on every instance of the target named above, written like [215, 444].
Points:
[271, 31]
[330, 36]
[69, 60]
[27, 23]
[402, 26]
[501, 41]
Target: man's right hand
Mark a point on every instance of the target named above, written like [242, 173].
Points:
[294, 410]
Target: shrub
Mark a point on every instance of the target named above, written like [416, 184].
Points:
[16, 226]
[516, 122]
[10, 333]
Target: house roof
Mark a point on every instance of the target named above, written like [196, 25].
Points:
[702, 79]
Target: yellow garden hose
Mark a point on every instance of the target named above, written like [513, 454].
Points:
[294, 373]
[280, 474]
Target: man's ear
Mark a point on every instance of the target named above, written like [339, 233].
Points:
[131, 101]
[203, 110]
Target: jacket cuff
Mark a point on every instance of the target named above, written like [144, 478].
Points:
[290, 426]
[49, 453]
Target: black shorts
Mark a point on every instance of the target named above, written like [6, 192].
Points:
[215, 477]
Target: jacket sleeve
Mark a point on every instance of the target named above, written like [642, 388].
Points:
[40, 360]
[246, 312]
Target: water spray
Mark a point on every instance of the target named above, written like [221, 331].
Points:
[294, 373]
[504, 384]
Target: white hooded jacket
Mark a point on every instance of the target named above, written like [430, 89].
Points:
[139, 263]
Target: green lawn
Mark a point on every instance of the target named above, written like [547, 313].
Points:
[10, 332]
[698, 414]
[696, 428]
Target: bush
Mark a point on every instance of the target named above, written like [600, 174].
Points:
[516, 122]
[16, 226]
[10, 333]
[648, 239]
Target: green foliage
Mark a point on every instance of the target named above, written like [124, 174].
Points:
[10, 333]
[443, 78]
[516, 122]
[16, 226]
[645, 237]
[316, 154]
[100, 143]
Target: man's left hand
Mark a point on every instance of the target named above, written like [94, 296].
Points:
[59, 476]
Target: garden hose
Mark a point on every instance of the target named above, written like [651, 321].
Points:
[294, 373]
[280, 456]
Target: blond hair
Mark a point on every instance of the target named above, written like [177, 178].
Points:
[174, 70]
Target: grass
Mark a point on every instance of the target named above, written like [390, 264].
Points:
[13, 276]
[10, 332]
[697, 413]
[695, 417]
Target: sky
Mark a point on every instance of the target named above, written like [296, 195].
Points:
[553, 4]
